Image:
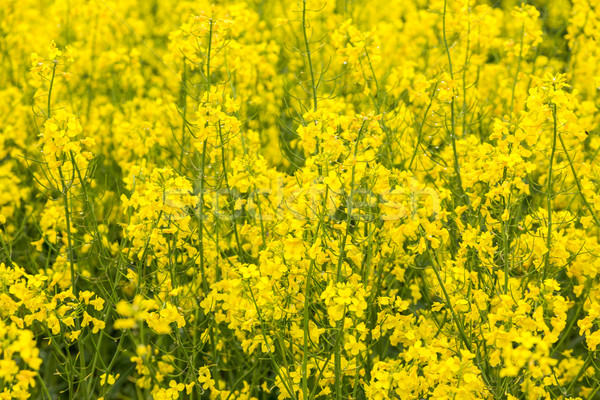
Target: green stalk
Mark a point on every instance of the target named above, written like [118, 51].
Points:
[48, 113]
[452, 116]
[308, 55]
[549, 194]
[512, 100]
[458, 324]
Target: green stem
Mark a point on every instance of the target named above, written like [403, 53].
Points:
[49, 112]
[549, 194]
[308, 55]
[452, 116]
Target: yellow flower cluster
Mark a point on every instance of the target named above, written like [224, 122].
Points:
[20, 361]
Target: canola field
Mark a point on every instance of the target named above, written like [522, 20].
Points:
[307, 199]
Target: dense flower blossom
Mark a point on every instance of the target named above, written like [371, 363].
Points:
[299, 199]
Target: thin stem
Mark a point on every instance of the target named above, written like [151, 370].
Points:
[308, 55]
[549, 194]
[49, 112]
[452, 113]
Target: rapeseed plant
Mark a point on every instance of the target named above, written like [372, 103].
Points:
[299, 200]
